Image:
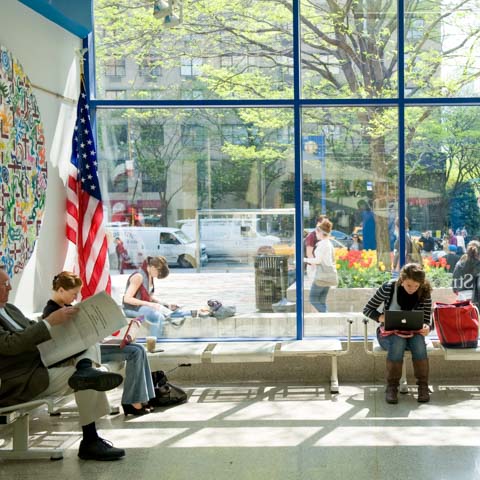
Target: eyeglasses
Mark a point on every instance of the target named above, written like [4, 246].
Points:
[5, 284]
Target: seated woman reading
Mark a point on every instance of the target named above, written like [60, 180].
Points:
[138, 299]
[138, 386]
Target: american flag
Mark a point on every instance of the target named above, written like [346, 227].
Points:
[84, 206]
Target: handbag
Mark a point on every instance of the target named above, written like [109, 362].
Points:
[166, 394]
[326, 275]
[457, 324]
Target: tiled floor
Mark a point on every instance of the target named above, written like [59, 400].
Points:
[276, 432]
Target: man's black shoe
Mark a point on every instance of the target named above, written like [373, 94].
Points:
[92, 379]
[99, 449]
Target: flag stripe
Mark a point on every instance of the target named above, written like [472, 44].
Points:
[84, 206]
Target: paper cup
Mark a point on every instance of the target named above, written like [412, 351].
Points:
[151, 343]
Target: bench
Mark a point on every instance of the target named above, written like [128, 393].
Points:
[18, 416]
[329, 347]
[183, 353]
[457, 354]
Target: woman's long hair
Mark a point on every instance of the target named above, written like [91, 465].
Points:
[415, 272]
[160, 263]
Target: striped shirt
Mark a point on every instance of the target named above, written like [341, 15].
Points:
[384, 296]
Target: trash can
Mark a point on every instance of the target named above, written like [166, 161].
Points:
[271, 280]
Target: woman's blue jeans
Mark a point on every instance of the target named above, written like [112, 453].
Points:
[396, 346]
[138, 384]
[153, 317]
[318, 297]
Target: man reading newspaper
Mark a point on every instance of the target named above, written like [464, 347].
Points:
[25, 377]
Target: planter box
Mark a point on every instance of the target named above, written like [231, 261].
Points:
[354, 299]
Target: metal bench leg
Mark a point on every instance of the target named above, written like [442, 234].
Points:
[403, 381]
[20, 450]
[55, 410]
[334, 376]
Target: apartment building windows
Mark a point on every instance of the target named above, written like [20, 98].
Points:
[150, 68]
[115, 68]
[194, 135]
[190, 67]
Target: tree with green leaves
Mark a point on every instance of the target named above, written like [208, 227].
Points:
[463, 210]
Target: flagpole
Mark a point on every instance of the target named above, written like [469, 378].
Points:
[80, 52]
[84, 201]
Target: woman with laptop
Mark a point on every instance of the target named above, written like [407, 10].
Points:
[409, 295]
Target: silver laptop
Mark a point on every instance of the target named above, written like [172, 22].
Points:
[403, 319]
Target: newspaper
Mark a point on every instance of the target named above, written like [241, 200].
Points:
[97, 318]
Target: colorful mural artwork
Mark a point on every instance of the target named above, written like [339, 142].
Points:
[23, 167]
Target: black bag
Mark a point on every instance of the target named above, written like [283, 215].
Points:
[166, 394]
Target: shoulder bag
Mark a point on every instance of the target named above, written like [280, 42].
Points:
[326, 275]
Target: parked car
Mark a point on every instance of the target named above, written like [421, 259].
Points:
[342, 237]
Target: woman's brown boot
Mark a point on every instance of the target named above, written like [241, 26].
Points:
[394, 373]
[420, 369]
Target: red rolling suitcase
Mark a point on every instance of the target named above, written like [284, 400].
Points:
[456, 324]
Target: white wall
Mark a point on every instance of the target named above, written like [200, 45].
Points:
[47, 54]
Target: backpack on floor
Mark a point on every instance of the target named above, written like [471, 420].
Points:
[456, 324]
[166, 394]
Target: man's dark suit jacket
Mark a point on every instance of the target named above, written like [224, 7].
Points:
[22, 373]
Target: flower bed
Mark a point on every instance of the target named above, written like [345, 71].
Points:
[359, 269]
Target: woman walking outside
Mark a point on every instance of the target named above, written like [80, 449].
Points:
[325, 269]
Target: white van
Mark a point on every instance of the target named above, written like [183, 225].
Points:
[233, 238]
[171, 243]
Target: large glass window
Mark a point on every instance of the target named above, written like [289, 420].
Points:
[350, 175]
[442, 181]
[213, 164]
[211, 203]
[241, 50]
[348, 49]
[441, 58]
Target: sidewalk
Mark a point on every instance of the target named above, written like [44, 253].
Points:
[192, 290]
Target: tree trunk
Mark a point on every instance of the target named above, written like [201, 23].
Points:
[383, 190]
